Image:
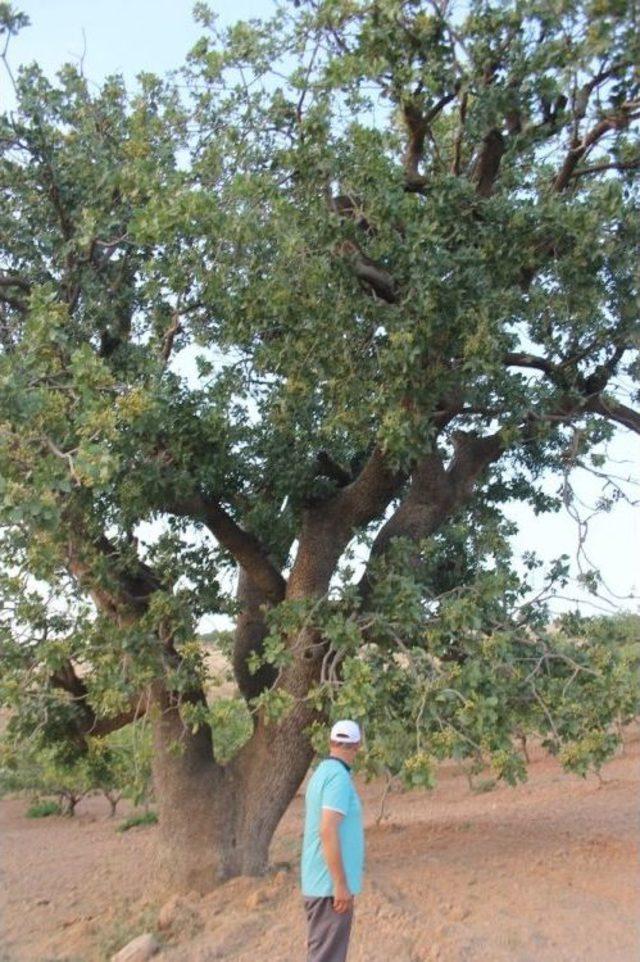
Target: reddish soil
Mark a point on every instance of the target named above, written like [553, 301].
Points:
[545, 872]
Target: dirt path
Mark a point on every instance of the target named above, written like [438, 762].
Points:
[545, 872]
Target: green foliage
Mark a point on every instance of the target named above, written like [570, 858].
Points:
[117, 765]
[44, 772]
[145, 818]
[128, 754]
[11, 20]
[345, 230]
[476, 677]
[42, 809]
[229, 720]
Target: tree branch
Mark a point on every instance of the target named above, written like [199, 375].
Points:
[374, 278]
[15, 280]
[618, 121]
[66, 679]
[169, 336]
[597, 168]
[329, 525]
[125, 597]
[614, 411]
[326, 467]
[249, 636]
[244, 546]
[487, 164]
[530, 361]
[418, 126]
[457, 144]
[435, 494]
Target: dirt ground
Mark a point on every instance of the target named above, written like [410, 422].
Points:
[545, 872]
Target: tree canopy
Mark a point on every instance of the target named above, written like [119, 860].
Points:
[398, 243]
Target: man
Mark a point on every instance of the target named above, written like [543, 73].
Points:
[332, 848]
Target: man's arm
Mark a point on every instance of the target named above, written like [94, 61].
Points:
[330, 838]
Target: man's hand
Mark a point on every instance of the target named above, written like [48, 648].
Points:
[342, 899]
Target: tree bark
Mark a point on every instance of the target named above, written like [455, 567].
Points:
[196, 832]
[217, 821]
[272, 765]
[250, 633]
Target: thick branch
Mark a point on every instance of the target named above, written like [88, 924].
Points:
[66, 679]
[373, 277]
[530, 361]
[350, 208]
[614, 122]
[418, 126]
[249, 636]
[486, 166]
[244, 546]
[326, 467]
[329, 525]
[435, 492]
[367, 497]
[614, 411]
[126, 594]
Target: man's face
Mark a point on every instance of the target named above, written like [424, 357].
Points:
[353, 749]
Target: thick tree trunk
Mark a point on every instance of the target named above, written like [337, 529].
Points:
[217, 821]
[196, 832]
[271, 767]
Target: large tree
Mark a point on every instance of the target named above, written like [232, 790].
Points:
[358, 277]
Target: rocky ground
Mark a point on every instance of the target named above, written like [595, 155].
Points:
[545, 872]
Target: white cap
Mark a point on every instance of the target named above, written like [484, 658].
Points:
[345, 731]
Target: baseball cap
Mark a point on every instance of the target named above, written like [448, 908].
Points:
[345, 731]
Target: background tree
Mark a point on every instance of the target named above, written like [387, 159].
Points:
[399, 244]
[117, 766]
[41, 771]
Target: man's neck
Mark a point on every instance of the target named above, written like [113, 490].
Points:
[341, 760]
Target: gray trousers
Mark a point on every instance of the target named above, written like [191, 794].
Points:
[328, 930]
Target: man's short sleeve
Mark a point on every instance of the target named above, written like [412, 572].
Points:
[335, 793]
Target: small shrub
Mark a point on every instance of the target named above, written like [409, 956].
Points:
[146, 818]
[42, 809]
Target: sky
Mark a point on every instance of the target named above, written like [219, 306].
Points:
[130, 36]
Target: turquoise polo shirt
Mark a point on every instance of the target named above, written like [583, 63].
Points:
[331, 786]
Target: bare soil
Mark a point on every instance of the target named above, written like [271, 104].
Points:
[545, 872]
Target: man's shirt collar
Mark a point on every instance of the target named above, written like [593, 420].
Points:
[341, 760]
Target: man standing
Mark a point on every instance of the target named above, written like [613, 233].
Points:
[332, 848]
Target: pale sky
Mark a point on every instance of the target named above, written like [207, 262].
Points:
[129, 36]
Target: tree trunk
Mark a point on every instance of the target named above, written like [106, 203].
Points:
[271, 767]
[71, 802]
[196, 833]
[217, 821]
